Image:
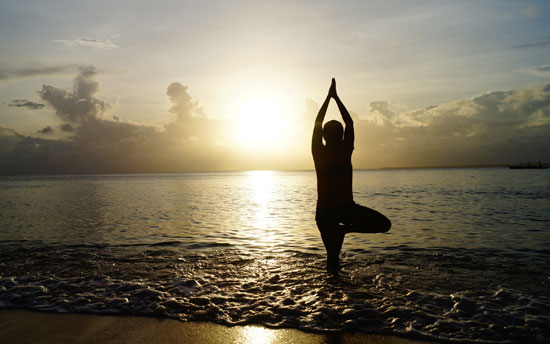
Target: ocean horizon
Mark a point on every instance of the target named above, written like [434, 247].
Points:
[474, 166]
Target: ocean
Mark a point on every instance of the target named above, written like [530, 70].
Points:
[467, 258]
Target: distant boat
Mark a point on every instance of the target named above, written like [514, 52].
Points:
[521, 166]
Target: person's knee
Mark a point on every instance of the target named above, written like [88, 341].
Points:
[386, 225]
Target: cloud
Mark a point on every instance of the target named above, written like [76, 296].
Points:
[26, 104]
[66, 127]
[492, 128]
[182, 103]
[102, 143]
[6, 73]
[79, 105]
[23, 155]
[45, 130]
[533, 44]
[539, 71]
[8, 139]
[380, 113]
[88, 42]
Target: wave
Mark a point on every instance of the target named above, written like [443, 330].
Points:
[441, 294]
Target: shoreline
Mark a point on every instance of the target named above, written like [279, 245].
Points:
[26, 326]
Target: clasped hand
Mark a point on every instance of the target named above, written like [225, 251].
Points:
[332, 90]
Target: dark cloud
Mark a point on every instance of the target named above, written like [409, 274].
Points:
[66, 127]
[81, 104]
[101, 143]
[45, 130]
[32, 155]
[8, 140]
[6, 73]
[26, 104]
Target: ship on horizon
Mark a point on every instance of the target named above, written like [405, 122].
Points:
[522, 166]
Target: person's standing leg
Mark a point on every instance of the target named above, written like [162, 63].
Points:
[333, 238]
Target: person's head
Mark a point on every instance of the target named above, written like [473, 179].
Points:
[333, 132]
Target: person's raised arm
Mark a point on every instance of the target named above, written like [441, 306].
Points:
[343, 111]
[317, 139]
[349, 135]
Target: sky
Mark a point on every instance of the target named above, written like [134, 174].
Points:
[174, 86]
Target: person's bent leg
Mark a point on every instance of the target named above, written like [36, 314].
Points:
[366, 220]
[333, 238]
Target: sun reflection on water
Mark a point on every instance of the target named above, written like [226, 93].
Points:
[263, 223]
[257, 335]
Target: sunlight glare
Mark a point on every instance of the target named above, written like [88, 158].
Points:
[257, 335]
[265, 118]
[263, 223]
[260, 122]
[262, 183]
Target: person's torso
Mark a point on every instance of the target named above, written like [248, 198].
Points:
[334, 176]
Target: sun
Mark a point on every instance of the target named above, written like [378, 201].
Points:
[263, 122]
[260, 122]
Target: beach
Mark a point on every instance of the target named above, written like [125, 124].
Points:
[20, 326]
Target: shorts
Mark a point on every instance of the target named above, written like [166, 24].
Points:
[335, 215]
[354, 217]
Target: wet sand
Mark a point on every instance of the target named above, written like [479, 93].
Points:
[21, 326]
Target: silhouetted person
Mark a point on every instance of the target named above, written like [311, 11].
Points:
[337, 213]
